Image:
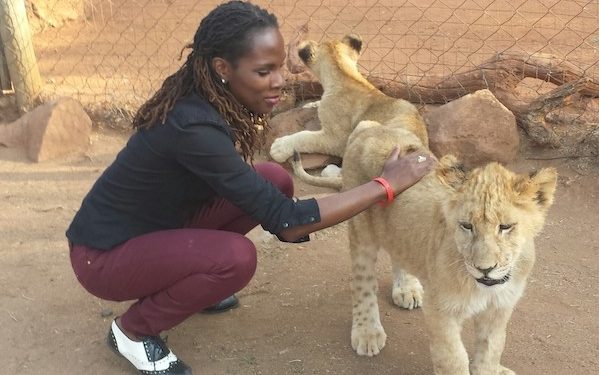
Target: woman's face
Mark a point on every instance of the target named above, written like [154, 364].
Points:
[257, 79]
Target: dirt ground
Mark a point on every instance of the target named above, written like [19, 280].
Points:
[295, 315]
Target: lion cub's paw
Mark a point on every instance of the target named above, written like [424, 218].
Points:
[331, 170]
[281, 149]
[499, 370]
[314, 104]
[368, 340]
[408, 293]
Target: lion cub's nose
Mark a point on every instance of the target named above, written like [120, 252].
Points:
[486, 271]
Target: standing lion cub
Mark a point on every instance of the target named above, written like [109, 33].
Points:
[467, 239]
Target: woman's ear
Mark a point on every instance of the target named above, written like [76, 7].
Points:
[222, 68]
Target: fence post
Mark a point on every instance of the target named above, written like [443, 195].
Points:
[4, 76]
[19, 54]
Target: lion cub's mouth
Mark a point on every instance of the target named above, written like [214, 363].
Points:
[490, 282]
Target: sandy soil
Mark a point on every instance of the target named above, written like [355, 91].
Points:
[295, 316]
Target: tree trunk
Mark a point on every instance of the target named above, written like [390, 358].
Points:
[19, 53]
[4, 75]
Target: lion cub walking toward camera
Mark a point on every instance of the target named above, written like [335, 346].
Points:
[467, 237]
[348, 98]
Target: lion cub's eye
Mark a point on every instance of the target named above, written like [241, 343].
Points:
[505, 228]
[466, 226]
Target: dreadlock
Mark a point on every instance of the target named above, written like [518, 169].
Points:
[225, 32]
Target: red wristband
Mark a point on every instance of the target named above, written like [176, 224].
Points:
[388, 190]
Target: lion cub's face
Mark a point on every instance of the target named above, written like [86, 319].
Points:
[333, 54]
[493, 214]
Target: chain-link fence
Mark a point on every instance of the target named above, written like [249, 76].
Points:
[117, 52]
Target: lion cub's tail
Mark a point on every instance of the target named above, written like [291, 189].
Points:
[334, 182]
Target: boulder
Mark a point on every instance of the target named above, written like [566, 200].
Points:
[291, 121]
[295, 120]
[55, 129]
[476, 128]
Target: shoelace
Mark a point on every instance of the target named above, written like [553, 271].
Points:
[159, 348]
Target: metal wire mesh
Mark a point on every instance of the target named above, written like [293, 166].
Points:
[119, 51]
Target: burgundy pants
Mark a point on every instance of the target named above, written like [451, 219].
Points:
[175, 273]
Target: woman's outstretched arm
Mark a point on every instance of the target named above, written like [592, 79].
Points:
[401, 173]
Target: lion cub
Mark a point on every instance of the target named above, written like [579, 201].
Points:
[468, 237]
[348, 98]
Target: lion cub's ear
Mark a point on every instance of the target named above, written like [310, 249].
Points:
[354, 41]
[306, 52]
[538, 187]
[451, 172]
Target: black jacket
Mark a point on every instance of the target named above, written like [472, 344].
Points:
[166, 172]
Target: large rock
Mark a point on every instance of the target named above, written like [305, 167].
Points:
[476, 128]
[49, 131]
[292, 121]
[295, 120]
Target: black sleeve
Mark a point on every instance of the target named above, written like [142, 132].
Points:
[210, 154]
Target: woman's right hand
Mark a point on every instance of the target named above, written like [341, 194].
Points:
[403, 172]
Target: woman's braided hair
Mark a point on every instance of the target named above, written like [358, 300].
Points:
[225, 32]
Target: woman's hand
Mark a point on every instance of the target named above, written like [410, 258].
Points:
[403, 172]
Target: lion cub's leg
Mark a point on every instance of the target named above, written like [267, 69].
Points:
[367, 334]
[407, 290]
[307, 141]
[448, 353]
[490, 329]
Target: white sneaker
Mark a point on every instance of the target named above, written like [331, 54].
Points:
[149, 356]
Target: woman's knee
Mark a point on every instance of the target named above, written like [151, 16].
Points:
[243, 260]
[277, 175]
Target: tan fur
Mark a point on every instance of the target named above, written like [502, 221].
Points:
[426, 232]
[348, 98]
